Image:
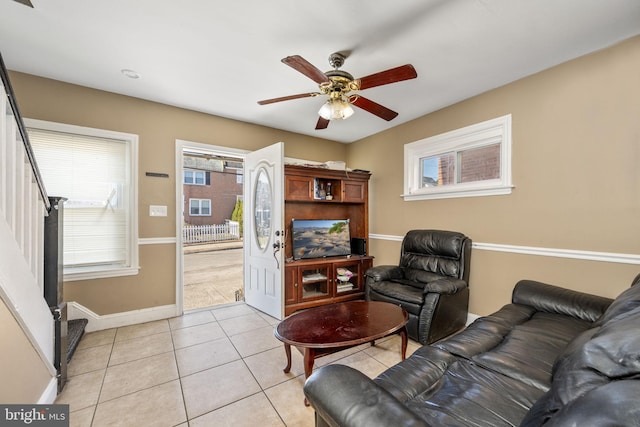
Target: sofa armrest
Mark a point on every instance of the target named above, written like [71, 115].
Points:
[445, 286]
[554, 299]
[345, 397]
[384, 272]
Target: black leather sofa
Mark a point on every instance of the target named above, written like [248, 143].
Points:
[552, 357]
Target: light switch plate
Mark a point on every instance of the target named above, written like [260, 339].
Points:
[155, 210]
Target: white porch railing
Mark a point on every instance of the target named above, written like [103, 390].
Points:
[211, 233]
[23, 207]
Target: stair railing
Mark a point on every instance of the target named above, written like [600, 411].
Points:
[23, 206]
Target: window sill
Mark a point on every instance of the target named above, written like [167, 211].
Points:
[86, 274]
[454, 193]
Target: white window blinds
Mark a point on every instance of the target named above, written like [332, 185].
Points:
[94, 174]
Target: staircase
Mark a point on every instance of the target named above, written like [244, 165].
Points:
[75, 331]
[24, 209]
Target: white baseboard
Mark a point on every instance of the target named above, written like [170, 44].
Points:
[50, 392]
[471, 318]
[99, 322]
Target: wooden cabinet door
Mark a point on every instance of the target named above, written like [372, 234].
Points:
[298, 188]
[348, 277]
[314, 282]
[290, 285]
[354, 191]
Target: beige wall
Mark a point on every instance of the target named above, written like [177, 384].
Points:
[23, 375]
[158, 126]
[576, 147]
[576, 151]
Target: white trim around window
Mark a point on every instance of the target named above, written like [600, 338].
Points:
[118, 198]
[194, 177]
[489, 133]
[203, 207]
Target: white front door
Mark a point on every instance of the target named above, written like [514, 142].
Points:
[264, 230]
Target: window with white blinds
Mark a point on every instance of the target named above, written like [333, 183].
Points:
[95, 170]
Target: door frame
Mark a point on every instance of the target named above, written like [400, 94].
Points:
[181, 145]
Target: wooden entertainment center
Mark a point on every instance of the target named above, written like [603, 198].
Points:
[319, 193]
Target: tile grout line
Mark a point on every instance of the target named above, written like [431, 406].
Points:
[226, 335]
[175, 359]
[131, 361]
[262, 390]
[104, 377]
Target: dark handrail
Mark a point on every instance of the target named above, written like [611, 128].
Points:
[23, 133]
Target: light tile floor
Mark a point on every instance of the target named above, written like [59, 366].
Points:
[215, 367]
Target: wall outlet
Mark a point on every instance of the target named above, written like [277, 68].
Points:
[155, 210]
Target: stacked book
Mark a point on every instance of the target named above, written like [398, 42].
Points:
[344, 277]
[344, 286]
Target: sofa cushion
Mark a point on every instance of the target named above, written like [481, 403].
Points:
[438, 252]
[409, 297]
[553, 299]
[438, 265]
[486, 332]
[626, 301]
[511, 342]
[588, 409]
[612, 353]
[599, 356]
[527, 354]
[420, 276]
[415, 375]
[469, 395]
[620, 396]
[437, 242]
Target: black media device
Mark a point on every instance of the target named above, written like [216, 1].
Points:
[358, 246]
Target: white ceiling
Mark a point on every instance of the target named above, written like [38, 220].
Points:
[221, 57]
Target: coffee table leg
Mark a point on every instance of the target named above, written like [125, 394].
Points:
[309, 358]
[287, 350]
[403, 335]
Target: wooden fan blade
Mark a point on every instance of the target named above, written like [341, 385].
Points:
[322, 123]
[25, 2]
[398, 74]
[288, 98]
[374, 108]
[303, 66]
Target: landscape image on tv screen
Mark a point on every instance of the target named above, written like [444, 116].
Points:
[319, 238]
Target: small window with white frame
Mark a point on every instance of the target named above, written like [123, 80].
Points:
[193, 177]
[200, 207]
[471, 161]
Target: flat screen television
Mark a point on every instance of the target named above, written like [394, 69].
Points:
[320, 238]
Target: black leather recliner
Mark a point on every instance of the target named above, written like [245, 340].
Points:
[431, 283]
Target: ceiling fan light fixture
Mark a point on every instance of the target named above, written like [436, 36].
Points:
[336, 108]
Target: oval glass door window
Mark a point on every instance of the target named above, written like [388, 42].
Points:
[262, 209]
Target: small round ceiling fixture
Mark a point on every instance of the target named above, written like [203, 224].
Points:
[130, 73]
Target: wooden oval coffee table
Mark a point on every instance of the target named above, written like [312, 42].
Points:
[329, 328]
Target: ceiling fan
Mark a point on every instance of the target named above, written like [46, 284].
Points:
[342, 89]
[25, 2]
